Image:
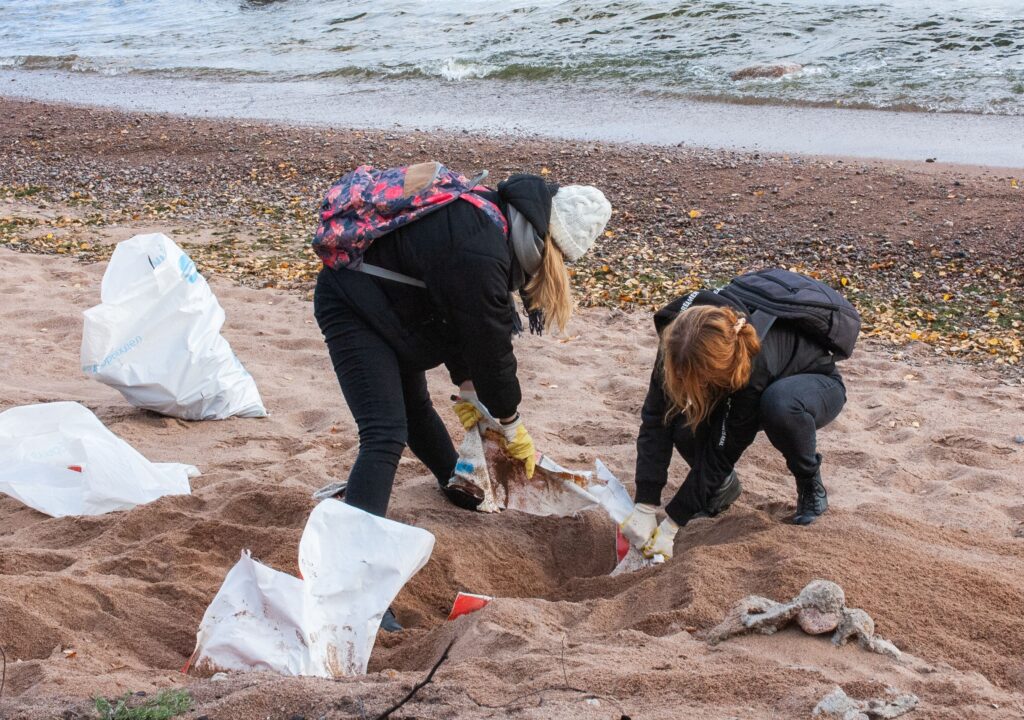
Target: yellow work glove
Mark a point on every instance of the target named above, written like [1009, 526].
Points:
[519, 444]
[639, 525]
[466, 409]
[662, 541]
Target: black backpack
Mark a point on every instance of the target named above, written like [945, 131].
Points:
[812, 306]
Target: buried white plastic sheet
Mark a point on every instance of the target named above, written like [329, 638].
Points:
[59, 459]
[486, 471]
[156, 338]
[353, 565]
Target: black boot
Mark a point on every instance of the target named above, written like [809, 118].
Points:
[389, 623]
[811, 500]
[467, 498]
[726, 496]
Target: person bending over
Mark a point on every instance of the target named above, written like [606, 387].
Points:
[715, 384]
[382, 333]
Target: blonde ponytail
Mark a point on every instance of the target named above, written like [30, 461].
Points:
[548, 290]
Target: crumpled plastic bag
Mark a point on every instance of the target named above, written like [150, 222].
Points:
[353, 565]
[59, 459]
[155, 337]
[486, 471]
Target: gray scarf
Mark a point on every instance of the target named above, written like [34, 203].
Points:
[529, 249]
[526, 243]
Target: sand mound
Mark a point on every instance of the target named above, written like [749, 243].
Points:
[926, 487]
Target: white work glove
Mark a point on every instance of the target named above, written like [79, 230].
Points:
[662, 541]
[639, 525]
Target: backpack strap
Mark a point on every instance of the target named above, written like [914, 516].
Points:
[762, 322]
[386, 274]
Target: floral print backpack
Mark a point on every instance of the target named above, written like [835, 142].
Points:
[369, 202]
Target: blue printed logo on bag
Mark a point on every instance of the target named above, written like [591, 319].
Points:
[188, 268]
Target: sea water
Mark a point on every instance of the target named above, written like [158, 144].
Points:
[936, 55]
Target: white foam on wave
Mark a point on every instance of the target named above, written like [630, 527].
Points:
[458, 69]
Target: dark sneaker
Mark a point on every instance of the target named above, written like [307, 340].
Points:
[389, 623]
[811, 500]
[467, 498]
[725, 497]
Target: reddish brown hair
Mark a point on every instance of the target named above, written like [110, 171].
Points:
[707, 353]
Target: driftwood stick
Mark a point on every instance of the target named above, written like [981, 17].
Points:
[418, 686]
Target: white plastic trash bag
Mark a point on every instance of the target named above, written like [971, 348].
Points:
[254, 623]
[59, 459]
[353, 564]
[156, 338]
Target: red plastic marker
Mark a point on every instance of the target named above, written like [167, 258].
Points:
[76, 468]
[621, 545]
[466, 603]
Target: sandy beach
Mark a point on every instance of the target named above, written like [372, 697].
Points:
[925, 531]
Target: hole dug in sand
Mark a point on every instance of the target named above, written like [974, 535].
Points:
[647, 633]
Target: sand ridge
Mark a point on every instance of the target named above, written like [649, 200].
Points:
[925, 479]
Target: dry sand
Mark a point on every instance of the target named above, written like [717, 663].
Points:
[927, 491]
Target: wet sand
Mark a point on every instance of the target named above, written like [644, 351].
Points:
[495, 107]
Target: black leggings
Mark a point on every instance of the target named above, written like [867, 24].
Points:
[390, 404]
[792, 410]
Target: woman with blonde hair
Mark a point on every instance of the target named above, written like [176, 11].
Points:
[438, 288]
[724, 373]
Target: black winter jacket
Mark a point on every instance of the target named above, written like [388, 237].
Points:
[732, 425]
[465, 316]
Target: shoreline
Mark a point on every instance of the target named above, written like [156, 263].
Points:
[928, 252]
[550, 111]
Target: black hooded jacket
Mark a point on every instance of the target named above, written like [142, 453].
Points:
[732, 425]
[465, 316]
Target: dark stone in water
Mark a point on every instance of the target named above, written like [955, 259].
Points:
[766, 71]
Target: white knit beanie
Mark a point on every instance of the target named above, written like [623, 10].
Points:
[579, 214]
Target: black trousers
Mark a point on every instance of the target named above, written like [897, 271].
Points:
[390, 404]
[791, 411]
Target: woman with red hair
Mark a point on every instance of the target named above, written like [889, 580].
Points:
[718, 380]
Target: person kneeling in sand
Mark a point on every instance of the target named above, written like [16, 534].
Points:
[445, 299]
[715, 384]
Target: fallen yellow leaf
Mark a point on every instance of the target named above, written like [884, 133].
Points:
[694, 214]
